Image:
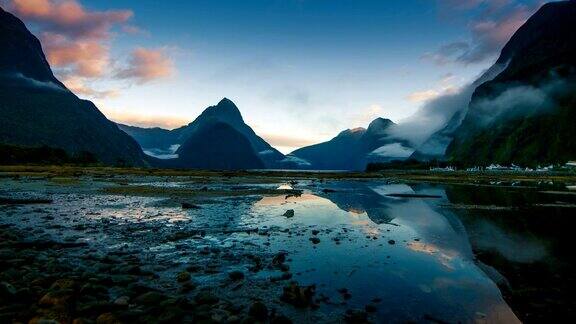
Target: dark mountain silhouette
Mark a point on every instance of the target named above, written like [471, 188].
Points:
[155, 137]
[526, 114]
[353, 149]
[37, 110]
[218, 145]
[226, 112]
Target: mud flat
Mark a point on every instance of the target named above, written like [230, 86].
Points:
[134, 245]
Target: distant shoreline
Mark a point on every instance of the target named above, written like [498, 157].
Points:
[479, 177]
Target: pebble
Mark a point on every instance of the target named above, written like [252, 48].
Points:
[236, 275]
[314, 240]
[183, 276]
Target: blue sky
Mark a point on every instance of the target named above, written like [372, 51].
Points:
[299, 70]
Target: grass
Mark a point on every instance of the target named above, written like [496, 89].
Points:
[67, 174]
[155, 191]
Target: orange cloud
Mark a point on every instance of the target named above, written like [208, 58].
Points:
[74, 39]
[87, 58]
[146, 65]
[77, 41]
[68, 17]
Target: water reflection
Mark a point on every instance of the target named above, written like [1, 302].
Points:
[412, 256]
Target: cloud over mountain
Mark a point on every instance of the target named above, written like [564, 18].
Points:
[78, 43]
[492, 24]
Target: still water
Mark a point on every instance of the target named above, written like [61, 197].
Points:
[405, 253]
[496, 253]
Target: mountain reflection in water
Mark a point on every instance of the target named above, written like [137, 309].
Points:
[409, 253]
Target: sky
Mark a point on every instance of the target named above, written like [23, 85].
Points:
[300, 71]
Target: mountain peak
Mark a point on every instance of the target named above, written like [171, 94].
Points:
[551, 25]
[225, 111]
[226, 102]
[379, 124]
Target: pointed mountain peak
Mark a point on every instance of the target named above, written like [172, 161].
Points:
[225, 111]
[226, 103]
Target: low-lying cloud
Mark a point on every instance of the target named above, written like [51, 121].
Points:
[522, 100]
[435, 113]
[170, 153]
[394, 150]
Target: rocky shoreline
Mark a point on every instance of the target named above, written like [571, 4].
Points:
[123, 248]
[40, 284]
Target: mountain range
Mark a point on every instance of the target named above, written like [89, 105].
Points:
[353, 149]
[521, 110]
[183, 143]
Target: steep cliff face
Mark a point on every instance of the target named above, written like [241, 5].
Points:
[526, 114]
[37, 110]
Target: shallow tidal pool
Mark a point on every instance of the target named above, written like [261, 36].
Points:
[370, 249]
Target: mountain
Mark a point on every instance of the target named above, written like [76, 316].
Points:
[434, 148]
[526, 114]
[157, 142]
[353, 149]
[167, 143]
[37, 110]
[155, 137]
[227, 112]
[218, 145]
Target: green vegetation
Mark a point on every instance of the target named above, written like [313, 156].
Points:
[122, 176]
[156, 191]
[410, 164]
[526, 141]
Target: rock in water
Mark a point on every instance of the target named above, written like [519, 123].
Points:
[301, 297]
[289, 213]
